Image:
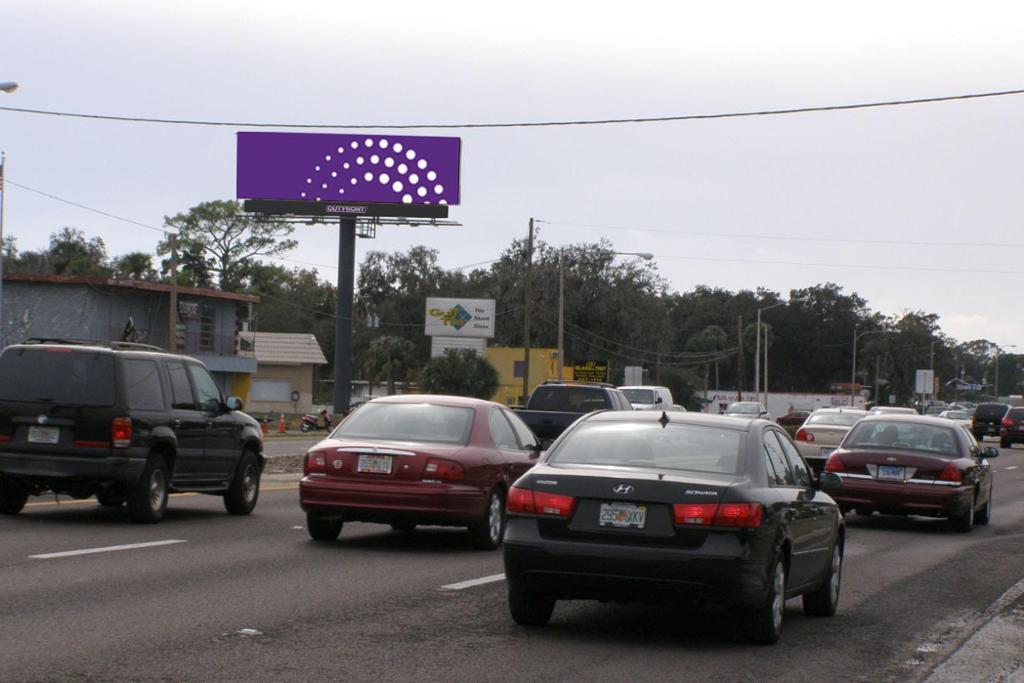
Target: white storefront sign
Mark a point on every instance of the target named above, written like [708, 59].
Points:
[460, 318]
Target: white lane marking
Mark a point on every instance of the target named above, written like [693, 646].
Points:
[474, 582]
[107, 549]
[1013, 467]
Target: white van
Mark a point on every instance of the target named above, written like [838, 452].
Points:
[650, 398]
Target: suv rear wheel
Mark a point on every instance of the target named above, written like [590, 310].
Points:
[147, 502]
[12, 497]
[245, 486]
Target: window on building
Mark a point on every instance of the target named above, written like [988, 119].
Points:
[207, 325]
[518, 368]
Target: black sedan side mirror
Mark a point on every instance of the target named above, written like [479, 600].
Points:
[829, 481]
[991, 452]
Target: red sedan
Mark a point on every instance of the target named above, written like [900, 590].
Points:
[913, 465]
[408, 460]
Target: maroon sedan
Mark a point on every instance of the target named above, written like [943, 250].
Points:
[913, 465]
[408, 460]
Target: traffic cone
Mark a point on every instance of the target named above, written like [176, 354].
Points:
[281, 425]
[264, 426]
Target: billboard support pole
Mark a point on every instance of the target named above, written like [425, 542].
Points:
[343, 318]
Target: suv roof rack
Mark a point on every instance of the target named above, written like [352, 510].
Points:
[113, 345]
[575, 382]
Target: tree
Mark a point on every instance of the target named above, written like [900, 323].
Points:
[135, 265]
[460, 372]
[70, 253]
[219, 239]
[391, 359]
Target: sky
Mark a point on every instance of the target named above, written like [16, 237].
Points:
[915, 207]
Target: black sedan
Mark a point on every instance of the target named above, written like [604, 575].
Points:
[657, 507]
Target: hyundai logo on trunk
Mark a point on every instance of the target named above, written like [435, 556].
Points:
[623, 489]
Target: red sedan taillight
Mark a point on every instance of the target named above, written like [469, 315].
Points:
[315, 463]
[443, 470]
[835, 464]
[804, 435]
[525, 501]
[121, 432]
[951, 473]
[736, 515]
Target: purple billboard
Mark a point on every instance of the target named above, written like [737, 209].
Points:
[358, 169]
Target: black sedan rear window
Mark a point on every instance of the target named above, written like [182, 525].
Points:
[408, 422]
[905, 436]
[686, 447]
[60, 376]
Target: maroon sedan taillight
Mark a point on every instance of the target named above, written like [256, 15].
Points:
[835, 464]
[315, 463]
[951, 473]
[443, 470]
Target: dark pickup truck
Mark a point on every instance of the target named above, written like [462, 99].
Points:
[552, 407]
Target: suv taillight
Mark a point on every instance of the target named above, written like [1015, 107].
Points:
[1007, 422]
[315, 463]
[804, 435]
[525, 501]
[121, 432]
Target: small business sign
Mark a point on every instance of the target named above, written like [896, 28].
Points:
[459, 317]
[590, 371]
[440, 345]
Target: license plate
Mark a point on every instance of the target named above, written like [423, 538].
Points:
[622, 515]
[374, 464]
[825, 452]
[49, 435]
[890, 473]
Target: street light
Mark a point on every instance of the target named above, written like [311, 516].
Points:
[757, 349]
[646, 256]
[995, 387]
[853, 372]
[7, 87]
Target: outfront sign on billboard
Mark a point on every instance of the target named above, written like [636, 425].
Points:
[356, 169]
[460, 317]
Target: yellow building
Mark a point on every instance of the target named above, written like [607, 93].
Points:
[509, 363]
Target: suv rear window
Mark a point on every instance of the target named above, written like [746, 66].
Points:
[991, 411]
[57, 375]
[142, 382]
[569, 399]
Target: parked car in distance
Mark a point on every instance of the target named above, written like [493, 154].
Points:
[650, 398]
[934, 407]
[960, 417]
[554, 405]
[893, 410]
[822, 433]
[1012, 428]
[792, 420]
[748, 409]
[127, 423]
[914, 466]
[418, 459]
[988, 419]
[657, 507]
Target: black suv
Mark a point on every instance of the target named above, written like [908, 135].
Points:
[127, 423]
[988, 419]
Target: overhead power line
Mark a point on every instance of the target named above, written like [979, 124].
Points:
[790, 238]
[518, 124]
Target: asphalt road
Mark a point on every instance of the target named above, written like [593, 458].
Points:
[373, 606]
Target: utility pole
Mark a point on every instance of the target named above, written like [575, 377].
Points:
[527, 305]
[739, 360]
[172, 313]
[561, 311]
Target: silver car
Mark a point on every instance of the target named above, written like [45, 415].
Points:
[822, 431]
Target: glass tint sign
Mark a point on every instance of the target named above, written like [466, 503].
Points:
[358, 169]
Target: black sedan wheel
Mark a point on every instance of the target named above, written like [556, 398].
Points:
[824, 601]
[764, 623]
[529, 608]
